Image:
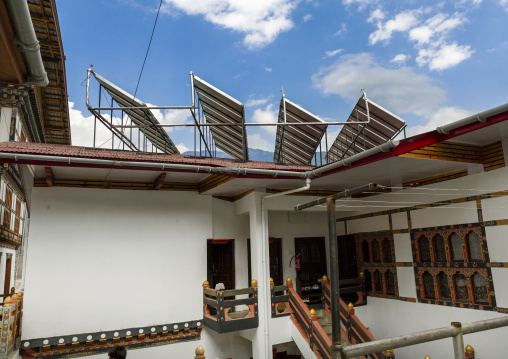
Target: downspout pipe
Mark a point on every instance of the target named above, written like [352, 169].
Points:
[27, 42]
[264, 261]
[479, 117]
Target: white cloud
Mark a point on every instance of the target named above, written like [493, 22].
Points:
[376, 15]
[266, 115]
[171, 117]
[252, 102]
[333, 52]
[504, 4]
[503, 44]
[261, 21]
[444, 57]
[362, 4]
[342, 30]
[182, 148]
[430, 36]
[401, 90]
[259, 143]
[307, 17]
[82, 129]
[441, 117]
[268, 69]
[400, 59]
[400, 23]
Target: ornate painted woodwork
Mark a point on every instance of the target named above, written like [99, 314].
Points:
[84, 344]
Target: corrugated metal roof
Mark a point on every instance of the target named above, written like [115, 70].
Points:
[218, 107]
[297, 144]
[156, 135]
[356, 138]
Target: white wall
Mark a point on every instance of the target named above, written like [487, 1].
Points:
[390, 318]
[114, 259]
[5, 123]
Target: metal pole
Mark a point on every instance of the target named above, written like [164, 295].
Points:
[244, 142]
[111, 121]
[283, 128]
[144, 133]
[333, 259]
[94, 129]
[346, 193]
[458, 342]
[192, 88]
[327, 158]
[88, 86]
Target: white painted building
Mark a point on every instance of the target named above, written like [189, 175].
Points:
[121, 243]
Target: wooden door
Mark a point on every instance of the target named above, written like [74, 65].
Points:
[276, 260]
[312, 259]
[348, 267]
[7, 283]
[221, 263]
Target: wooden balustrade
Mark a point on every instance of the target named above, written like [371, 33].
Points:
[306, 322]
[218, 311]
[280, 300]
[351, 327]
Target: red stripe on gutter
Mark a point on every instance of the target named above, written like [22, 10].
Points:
[422, 140]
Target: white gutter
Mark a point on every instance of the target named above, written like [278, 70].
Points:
[385, 147]
[208, 169]
[27, 42]
[479, 117]
[264, 261]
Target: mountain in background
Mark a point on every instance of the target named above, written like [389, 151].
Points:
[258, 155]
[254, 155]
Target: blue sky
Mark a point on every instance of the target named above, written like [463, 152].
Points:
[429, 62]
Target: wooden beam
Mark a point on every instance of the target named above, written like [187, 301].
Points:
[213, 181]
[130, 185]
[50, 177]
[159, 181]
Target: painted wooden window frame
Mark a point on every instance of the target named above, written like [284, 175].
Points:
[369, 265]
[451, 267]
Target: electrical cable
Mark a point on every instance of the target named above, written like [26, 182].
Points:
[147, 50]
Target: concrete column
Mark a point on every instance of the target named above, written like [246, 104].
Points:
[261, 346]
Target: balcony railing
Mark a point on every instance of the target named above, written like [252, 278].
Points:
[223, 312]
[352, 328]
[280, 300]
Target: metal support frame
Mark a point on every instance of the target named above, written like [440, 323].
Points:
[200, 125]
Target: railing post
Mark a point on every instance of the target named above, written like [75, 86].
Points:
[254, 286]
[206, 309]
[458, 342]
[289, 282]
[313, 318]
[272, 293]
[200, 353]
[350, 312]
[388, 354]
[324, 281]
[469, 352]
